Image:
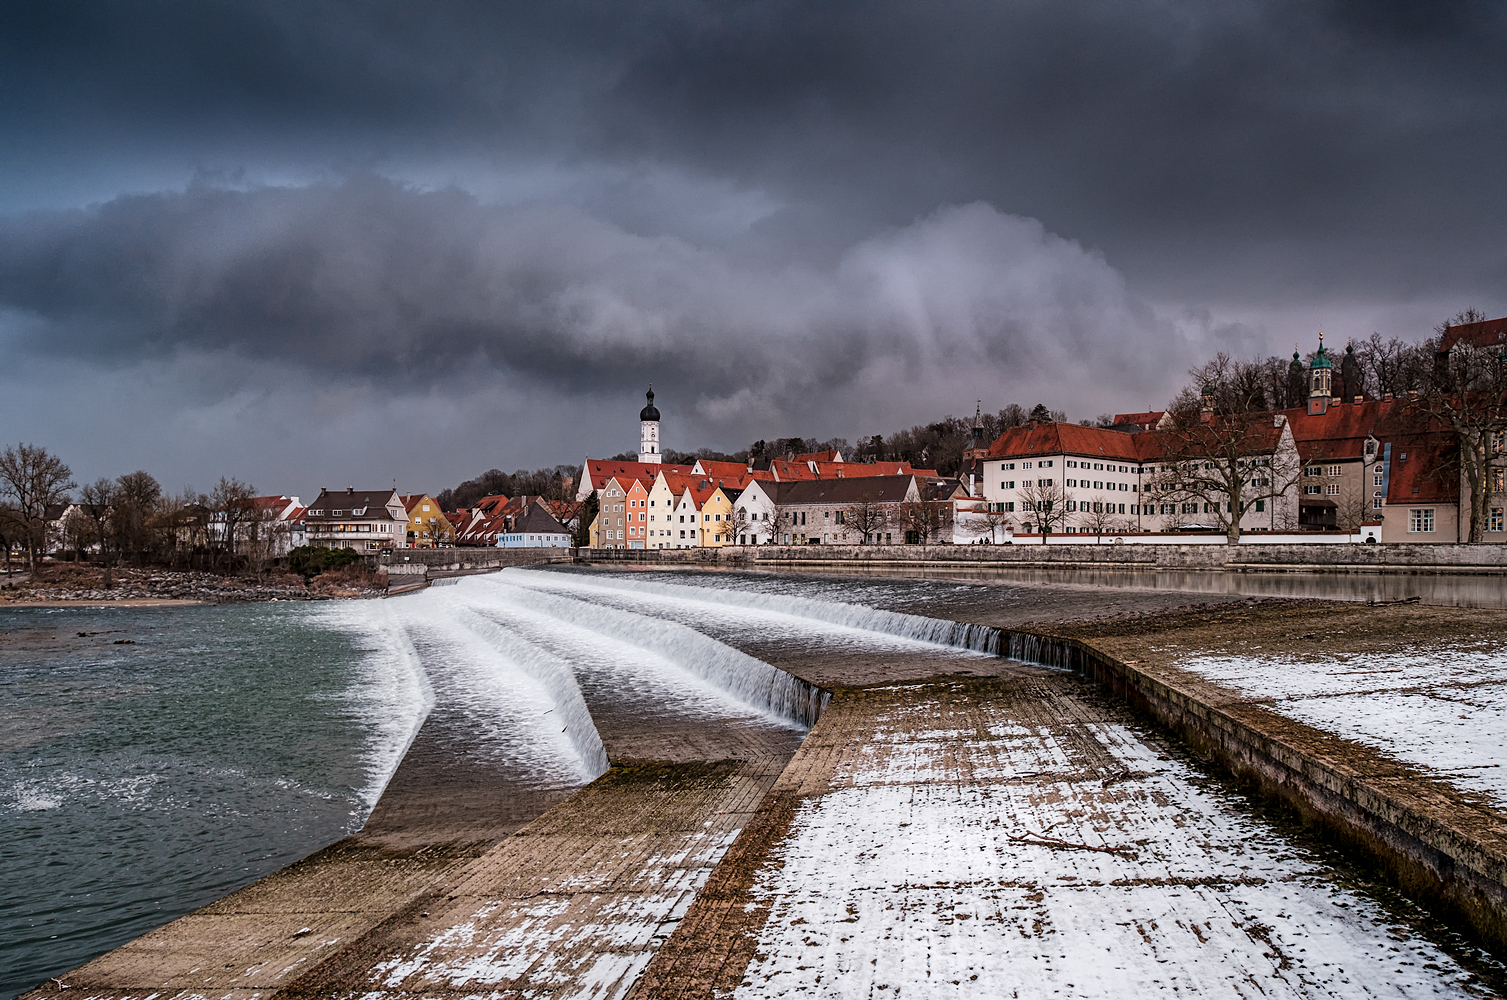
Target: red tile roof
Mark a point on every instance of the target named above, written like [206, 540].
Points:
[1069, 439]
[1486, 333]
[644, 472]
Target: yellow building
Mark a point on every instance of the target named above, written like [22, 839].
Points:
[427, 526]
[716, 518]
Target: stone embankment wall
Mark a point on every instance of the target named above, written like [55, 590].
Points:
[1444, 850]
[1378, 558]
[409, 568]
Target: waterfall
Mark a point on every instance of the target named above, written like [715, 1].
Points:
[958, 635]
[752, 682]
[554, 676]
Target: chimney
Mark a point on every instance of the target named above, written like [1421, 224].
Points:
[1357, 400]
[1386, 397]
[350, 489]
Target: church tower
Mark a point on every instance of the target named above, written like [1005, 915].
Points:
[648, 432]
[1320, 381]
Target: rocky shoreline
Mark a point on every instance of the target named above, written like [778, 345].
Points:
[86, 584]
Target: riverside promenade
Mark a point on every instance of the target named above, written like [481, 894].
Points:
[976, 826]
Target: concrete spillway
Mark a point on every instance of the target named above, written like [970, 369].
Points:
[955, 823]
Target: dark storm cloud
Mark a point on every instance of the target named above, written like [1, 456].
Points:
[817, 218]
[1209, 148]
[374, 280]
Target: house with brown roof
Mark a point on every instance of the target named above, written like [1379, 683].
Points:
[817, 511]
[364, 520]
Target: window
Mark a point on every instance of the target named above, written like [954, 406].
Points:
[1332, 490]
[716, 517]
[1010, 485]
[1045, 465]
[1025, 465]
[1377, 501]
[1072, 482]
[1098, 484]
[1006, 465]
[1072, 507]
[842, 517]
[1376, 480]
[1009, 507]
[1260, 505]
[1313, 470]
[1043, 482]
[1122, 508]
[1421, 520]
[1494, 521]
[1169, 508]
[1336, 470]
[1312, 490]
[1071, 465]
[1497, 484]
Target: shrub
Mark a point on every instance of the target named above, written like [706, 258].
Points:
[309, 561]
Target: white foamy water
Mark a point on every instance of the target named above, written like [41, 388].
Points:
[389, 693]
[751, 683]
[836, 623]
[633, 673]
[522, 706]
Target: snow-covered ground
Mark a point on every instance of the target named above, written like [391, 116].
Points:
[1006, 860]
[1444, 709]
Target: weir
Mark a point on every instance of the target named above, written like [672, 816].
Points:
[964, 787]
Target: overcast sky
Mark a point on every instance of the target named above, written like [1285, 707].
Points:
[339, 244]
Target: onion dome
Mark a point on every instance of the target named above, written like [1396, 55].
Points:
[1321, 359]
[649, 412]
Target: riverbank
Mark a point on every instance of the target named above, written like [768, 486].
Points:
[72, 584]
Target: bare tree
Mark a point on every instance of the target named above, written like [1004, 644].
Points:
[865, 517]
[736, 524]
[991, 519]
[1043, 504]
[1099, 518]
[233, 511]
[35, 480]
[782, 521]
[11, 531]
[1466, 392]
[1225, 450]
[97, 502]
[137, 495]
[922, 518]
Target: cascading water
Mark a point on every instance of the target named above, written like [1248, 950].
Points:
[935, 631]
[522, 699]
[747, 680]
[552, 674]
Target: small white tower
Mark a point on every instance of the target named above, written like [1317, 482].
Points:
[648, 432]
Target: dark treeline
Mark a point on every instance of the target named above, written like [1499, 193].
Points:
[554, 483]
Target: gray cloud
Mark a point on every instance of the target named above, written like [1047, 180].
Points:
[414, 291]
[811, 218]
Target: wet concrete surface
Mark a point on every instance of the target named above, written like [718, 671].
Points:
[464, 884]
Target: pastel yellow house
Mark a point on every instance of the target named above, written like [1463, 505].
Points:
[716, 518]
[427, 526]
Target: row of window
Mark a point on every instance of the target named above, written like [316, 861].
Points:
[1097, 485]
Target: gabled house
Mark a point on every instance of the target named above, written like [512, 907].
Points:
[364, 520]
[534, 528]
[428, 528]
